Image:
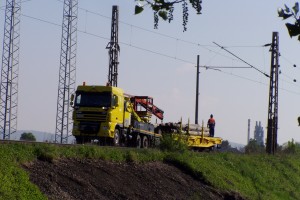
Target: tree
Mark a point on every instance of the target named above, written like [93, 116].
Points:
[164, 9]
[294, 29]
[225, 145]
[254, 147]
[27, 137]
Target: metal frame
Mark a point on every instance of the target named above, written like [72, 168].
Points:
[67, 71]
[273, 97]
[114, 48]
[10, 69]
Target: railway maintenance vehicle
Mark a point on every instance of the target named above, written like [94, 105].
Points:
[107, 114]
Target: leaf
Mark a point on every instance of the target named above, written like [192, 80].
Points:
[163, 14]
[155, 7]
[138, 9]
[293, 29]
[296, 8]
[282, 14]
[287, 9]
[285, 16]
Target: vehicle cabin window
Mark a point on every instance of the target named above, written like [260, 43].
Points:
[78, 99]
[115, 100]
[93, 99]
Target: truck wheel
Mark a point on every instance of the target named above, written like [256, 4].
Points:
[138, 141]
[145, 142]
[78, 140]
[116, 140]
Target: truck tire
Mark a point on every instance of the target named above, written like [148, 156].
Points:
[145, 142]
[138, 141]
[78, 139]
[116, 140]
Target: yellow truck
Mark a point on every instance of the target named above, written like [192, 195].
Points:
[107, 114]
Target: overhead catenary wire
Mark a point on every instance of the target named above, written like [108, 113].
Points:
[242, 60]
[164, 55]
[169, 56]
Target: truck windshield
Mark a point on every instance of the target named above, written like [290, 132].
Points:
[93, 99]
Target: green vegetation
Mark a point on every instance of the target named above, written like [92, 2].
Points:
[254, 176]
[27, 137]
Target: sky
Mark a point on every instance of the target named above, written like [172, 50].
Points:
[161, 62]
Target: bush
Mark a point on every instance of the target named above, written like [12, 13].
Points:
[169, 143]
[254, 147]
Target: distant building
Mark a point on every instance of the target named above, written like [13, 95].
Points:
[259, 134]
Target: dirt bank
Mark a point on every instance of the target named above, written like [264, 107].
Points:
[98, 179]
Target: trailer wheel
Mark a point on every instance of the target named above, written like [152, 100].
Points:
[116, 140]
[145, 142]
[138, 141]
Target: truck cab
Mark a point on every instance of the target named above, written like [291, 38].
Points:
[99, 112]
[106, 114]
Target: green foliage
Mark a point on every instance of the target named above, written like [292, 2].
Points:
[285, 13]
[254, 147]
[27, 137]
[249, 175]
[290, 148]
[15, 182]
[164, 9]
[168, 143]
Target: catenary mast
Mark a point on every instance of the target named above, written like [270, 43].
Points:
[113, 48]
[273, 96]
[67, 71]
[10, 69]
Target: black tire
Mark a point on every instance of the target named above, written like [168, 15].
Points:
[145, 142]
[116, 140]
[138, 141]
[78, 140]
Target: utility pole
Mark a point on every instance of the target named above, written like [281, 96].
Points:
[248, 137]
[113, 48]
[197, 90]
[273, 97]
[67, 71]
[10, 69]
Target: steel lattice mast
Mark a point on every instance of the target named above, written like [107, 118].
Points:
[10, 69]
[114, 48]
[273, 97]
[67, 71]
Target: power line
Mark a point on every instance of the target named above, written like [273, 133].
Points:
[204, 46]
[242, 60]
[163, 55]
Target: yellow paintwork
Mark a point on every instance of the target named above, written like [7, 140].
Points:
[114, 114]
[197, 141]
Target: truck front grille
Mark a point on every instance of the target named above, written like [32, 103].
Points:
[91, 116]
[89, 127]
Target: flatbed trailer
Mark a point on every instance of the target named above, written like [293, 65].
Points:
[195, 139]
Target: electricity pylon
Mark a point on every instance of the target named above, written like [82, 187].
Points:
[67, 71]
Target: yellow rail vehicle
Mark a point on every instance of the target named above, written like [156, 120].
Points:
[107, 114]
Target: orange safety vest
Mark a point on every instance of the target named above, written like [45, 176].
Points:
[211, 121]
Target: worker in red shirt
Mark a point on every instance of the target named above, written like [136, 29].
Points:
[211, 125]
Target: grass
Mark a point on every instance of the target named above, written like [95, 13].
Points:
[254, 176]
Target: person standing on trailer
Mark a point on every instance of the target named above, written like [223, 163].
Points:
[211, 125]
